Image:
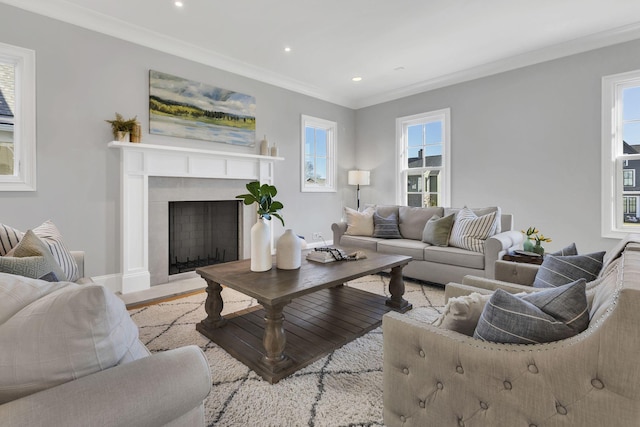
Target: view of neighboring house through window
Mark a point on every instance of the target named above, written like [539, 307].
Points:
[318, 154]
[423, 146]
[621, 153]
[17, 119]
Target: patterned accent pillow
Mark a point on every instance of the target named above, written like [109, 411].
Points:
[569, 250]
[538, 317]
[9, 238]
[437, 231]
[359, 223]
[386, 228]
[52, 237]
[34, 267]
[32, 249]
[560, 270]
[470, 231]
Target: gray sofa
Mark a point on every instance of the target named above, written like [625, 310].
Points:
[433, 263]
[89, 367]
[435, 376]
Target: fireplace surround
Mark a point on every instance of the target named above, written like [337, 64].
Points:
[211, 169]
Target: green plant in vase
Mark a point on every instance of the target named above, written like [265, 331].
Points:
[534, 235]
[120, 126]
[263, 195]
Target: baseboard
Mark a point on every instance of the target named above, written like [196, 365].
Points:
[113, 282]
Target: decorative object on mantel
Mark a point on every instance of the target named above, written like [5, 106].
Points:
[533, 234]
[189, 109]
[274, 150]
[261, 231]
[358, 178]
[122, 128]
[289, 251]
[264, 147]
[136, 133]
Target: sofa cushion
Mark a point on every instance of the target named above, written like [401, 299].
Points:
[359, 223]
[408, 247]
[470, 231]
[67, 334]
[365, 242]
[386, 210]
[9, 238]
[40, 260]
[481, 212]
[454, 256]
[17, 292]
[538, 317]
[560, 270]
[438, 230]
[412, 220]
[52, 237]
[386, 227]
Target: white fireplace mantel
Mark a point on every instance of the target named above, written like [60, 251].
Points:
[140, 161]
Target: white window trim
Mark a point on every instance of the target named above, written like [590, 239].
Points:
[332, 144]
[24, 129]
[401, 171]
[611, 204]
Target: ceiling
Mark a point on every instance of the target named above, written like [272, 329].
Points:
[398, 47]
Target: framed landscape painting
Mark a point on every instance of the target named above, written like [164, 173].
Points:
[188, 109]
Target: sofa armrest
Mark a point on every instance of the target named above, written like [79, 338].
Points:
[78, 257]
[496, 246]
[338, 229]
[516, 272]
[152, 391]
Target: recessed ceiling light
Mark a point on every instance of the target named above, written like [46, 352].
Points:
[356, 78]
[287, 49]
[178, 3]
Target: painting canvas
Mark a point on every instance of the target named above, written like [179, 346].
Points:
[188, 109]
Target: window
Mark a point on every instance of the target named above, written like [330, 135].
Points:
[17, 119]
[318, 154]
[620, 153]
[424, 159]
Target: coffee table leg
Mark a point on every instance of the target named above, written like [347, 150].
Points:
[275, 339]
[213, 306]
[396, 289]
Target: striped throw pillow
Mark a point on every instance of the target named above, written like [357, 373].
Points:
[560, 270]
[470, 231]
[386, 228]
[50, 235]
[9, 238]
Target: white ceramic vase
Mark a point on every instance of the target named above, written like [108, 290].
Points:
[288, 251]
[261, 245]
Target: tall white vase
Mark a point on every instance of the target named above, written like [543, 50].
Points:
[288, 251]
[261, 246]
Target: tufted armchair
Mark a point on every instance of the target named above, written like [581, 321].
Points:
[437, 377]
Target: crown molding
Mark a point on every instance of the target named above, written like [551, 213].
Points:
[67, 12]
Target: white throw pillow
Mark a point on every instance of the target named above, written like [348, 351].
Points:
[51, 236]
[470, 231]
[65, 335]
[17, 292]
[359, 223]
[461, 314]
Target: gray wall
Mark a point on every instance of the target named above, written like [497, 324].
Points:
[83, 78]
[527, 140]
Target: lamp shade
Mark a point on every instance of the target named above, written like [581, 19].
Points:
[358, 177]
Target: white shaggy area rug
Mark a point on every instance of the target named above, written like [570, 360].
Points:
[343, 388]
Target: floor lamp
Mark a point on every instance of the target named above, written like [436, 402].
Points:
[358, 178]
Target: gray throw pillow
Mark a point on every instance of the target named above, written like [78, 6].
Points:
[549, 315]
[386, 228]
[438, 230]
[35, 267]
[560, 270]
[569, 250]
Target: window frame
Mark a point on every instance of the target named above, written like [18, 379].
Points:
[402, 171]
[24, 126]
[613, 157]
[331, 128]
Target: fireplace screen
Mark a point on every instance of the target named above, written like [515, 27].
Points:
[202, 233]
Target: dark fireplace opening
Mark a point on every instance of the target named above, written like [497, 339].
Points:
[202, 233]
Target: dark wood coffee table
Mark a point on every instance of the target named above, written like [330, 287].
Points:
[321, 314]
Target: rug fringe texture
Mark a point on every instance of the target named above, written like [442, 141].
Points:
[343, 388]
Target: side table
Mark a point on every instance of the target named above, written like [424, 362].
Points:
[529, 259]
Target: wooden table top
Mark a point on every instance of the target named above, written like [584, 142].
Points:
[276, 286]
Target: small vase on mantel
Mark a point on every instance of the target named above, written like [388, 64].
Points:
[261, 246]
[288, 251]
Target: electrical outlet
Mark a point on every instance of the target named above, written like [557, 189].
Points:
[317, 236]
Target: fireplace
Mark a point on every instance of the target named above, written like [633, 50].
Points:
[202, 233]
